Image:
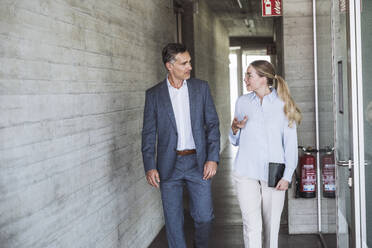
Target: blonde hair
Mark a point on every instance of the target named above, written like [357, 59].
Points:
[291, 110]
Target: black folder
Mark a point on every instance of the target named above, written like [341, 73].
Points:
[276, 171]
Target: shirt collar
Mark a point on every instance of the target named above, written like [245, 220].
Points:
[272, 96]
[170, 86]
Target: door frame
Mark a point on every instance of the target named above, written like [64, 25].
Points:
[358, 204]
[356, 7]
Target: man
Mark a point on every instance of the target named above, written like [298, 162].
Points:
[181, 121]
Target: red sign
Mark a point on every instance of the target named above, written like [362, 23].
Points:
[271, 7]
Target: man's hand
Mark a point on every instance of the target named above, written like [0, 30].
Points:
[152, 177]
[282, 185]
[210, 168]
[236, 125]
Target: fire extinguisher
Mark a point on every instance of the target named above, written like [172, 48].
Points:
[268, 7]
[307, 173]
[328, 173]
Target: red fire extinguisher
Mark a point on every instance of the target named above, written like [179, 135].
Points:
[308, 173]
[328, 173]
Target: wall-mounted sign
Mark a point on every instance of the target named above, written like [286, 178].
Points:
[272, 7]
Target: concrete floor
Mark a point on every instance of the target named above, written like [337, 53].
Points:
[227, 230]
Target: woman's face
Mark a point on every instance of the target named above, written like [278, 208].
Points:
[253, 81]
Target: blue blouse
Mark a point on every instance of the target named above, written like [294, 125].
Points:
[265, 138]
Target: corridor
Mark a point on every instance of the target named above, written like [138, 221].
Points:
[227, 231]
[73, 79]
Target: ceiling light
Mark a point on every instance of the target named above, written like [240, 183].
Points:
[235, 47]
[240, 4]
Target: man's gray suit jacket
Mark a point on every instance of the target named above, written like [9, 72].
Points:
[159, 133]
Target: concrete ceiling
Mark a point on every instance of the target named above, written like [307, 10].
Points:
[242, 17]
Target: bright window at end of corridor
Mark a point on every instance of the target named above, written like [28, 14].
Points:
[233, 81]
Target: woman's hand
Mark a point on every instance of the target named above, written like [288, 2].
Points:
[236, 125]
[282, 184]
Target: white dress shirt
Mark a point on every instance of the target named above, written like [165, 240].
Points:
[265, 138]
[181, 108]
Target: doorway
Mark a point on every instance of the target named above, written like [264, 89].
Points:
[249, 57]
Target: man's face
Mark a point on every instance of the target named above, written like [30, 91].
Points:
[181, 68]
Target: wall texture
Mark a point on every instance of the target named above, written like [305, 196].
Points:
[299, 73]
[72, 82]
[325, 96]
[211, 47]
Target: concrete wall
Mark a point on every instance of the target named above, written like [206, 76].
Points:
[299, 73]
[211, 47]
[325, 84]
[72, 82]
[277, 59]
[325, 96]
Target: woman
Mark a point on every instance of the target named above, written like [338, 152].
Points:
[264, 128]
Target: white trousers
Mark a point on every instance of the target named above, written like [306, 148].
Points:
[259, 204]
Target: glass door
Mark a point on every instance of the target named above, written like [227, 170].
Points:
[343, 137]
[348, 201]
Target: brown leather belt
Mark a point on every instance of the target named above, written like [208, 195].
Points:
[186, 152]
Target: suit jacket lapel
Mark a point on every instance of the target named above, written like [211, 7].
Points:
[193, 92]
[167, 104]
